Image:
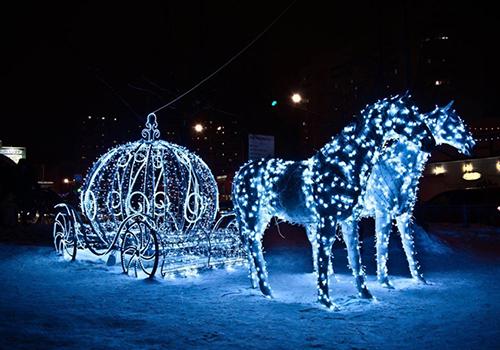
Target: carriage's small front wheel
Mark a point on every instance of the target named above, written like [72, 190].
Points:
[139, 250]
[64, 234]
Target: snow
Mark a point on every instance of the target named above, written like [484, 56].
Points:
[46, 302]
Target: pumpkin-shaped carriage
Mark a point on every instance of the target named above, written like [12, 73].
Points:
[154, 203]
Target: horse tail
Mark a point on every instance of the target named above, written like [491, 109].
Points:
[238, 180]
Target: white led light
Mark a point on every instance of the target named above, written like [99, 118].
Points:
[151, 199]
[329, 188]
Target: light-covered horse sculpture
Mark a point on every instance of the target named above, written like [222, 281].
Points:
[322, 191]
[393, 184]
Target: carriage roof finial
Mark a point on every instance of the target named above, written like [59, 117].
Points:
[150, 132]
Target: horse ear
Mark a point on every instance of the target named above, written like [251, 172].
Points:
[448, 106]
[406, 95]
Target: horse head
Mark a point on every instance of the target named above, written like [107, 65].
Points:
[448, 128]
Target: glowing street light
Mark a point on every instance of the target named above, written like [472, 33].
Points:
[66, 180]
[198, 127]
[296, 98]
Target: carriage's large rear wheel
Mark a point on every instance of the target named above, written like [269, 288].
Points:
[64, 234]
[139, 248]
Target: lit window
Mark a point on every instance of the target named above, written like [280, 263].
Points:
[474, 175]
[467, 167]
[438, 169]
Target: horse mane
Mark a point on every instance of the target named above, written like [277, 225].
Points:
[366, 116]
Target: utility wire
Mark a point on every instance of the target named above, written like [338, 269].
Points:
[229, 61]
[101, 79]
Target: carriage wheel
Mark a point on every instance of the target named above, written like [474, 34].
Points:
[139, 249]
[64, 234]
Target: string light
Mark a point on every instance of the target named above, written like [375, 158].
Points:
[487, 139]
[324, 190]
[155, 199]
[485, 136]
[393, 184]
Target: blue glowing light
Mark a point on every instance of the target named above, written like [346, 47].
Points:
[154, 178]
[149, 199]
[324, 190]
[392, 187]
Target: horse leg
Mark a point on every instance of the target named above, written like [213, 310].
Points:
[406, 233]
[324, 244]
[255, 249]
[313, 239]
[382, 233]
[252, 273]
[245, 234]
[351, 239]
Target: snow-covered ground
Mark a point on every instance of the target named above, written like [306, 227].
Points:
[46, 302]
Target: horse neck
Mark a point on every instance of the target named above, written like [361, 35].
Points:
[410, 156]
[353, 151]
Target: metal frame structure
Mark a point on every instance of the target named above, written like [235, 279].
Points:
[155, 204]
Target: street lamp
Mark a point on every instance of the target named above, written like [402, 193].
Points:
[296, 98]
[198, 127]
[66, 180]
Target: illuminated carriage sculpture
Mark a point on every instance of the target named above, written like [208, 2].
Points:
[155, 204]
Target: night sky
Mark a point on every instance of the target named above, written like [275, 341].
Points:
[66, 61]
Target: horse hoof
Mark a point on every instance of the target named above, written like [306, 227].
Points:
[329, 305]
[386, 284]
[420, 280]
[365, 294]
[267, 292]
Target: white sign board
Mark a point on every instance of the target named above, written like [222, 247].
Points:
[260, 146]
[14, 153]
